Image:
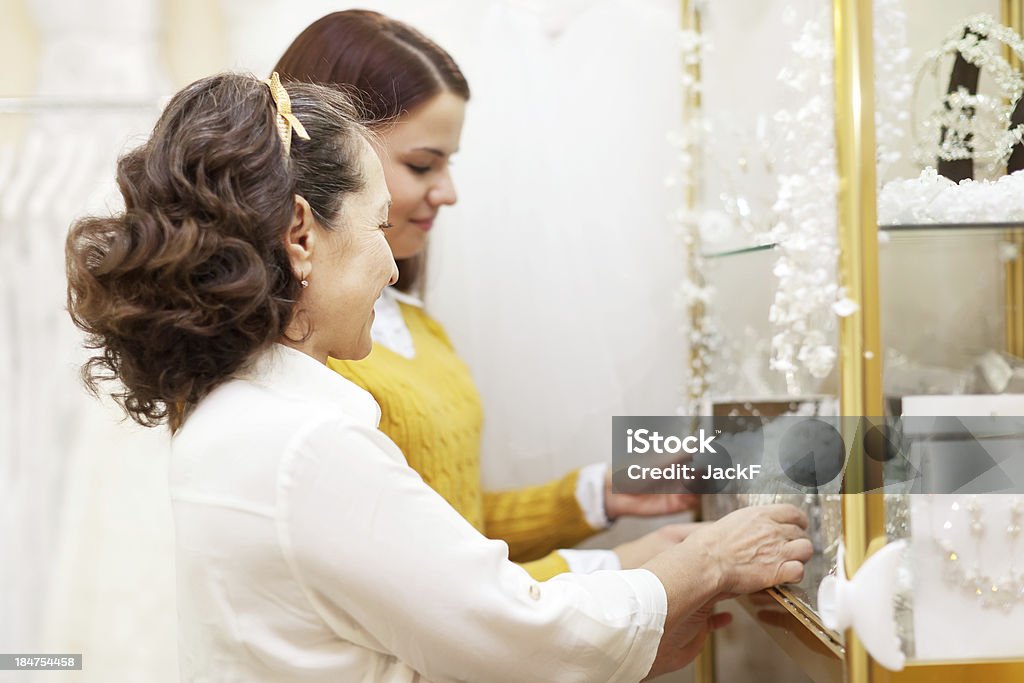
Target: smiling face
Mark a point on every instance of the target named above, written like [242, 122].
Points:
[359, 264]
[347, 265]
[416, 161]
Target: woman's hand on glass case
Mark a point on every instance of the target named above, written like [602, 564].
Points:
[645, 504]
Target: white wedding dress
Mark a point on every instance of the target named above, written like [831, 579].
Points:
[86, 563]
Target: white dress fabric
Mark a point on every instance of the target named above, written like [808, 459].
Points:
[309, 550]
[86, 561]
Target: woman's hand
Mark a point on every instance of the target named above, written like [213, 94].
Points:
[644, 504]
[635, 553]
[754, 548]
[682, 641]
[744, 552]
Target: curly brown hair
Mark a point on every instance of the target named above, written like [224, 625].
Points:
[192, 279]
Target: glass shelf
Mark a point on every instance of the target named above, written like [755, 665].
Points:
[945, 308]
[952, 227]
[900, 231]
[740, 251]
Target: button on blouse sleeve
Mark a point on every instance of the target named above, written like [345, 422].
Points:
[387, 563]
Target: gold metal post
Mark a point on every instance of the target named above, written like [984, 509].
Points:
[1013, 16]
[698, 387]
[1013, 283]
[859, 336]
[704, 665]
[1015, 309]
[860, 361]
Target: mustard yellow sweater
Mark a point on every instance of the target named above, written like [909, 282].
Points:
[431, 410]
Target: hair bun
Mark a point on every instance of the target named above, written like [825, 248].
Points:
[183, 287]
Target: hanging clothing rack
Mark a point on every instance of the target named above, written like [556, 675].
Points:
[38, 104]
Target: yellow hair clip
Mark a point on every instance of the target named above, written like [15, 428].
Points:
[286, 121]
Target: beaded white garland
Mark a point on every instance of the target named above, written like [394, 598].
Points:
[805, 233]
[808, 299]
[807, 296]
[693, 294]
[893, 83]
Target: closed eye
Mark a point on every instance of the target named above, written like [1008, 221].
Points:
[418, 170]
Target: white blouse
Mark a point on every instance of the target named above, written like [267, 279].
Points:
[390, 330]
[308, 550]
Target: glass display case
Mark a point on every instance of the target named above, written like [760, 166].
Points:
[836, 278]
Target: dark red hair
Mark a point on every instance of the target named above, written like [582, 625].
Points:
[387, 67]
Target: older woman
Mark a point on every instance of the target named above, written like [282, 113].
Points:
[308, 549]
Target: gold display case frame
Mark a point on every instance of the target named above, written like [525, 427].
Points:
[1012, 12]
[793, 627]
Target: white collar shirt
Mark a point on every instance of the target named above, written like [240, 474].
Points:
[308, 550]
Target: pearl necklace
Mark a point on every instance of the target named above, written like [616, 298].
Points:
[1004, 591]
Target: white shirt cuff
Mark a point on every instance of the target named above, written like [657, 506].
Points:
[589, 561]
[590, 495]
[652, 603]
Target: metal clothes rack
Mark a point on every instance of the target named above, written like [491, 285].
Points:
[42, 103]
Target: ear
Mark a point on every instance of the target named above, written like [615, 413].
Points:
[300, 239]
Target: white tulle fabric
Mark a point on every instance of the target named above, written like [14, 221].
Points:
[85, 535]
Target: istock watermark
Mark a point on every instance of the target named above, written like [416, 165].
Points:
[945, 454]
[650, 441]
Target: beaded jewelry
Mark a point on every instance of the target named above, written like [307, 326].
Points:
[1003, 591]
